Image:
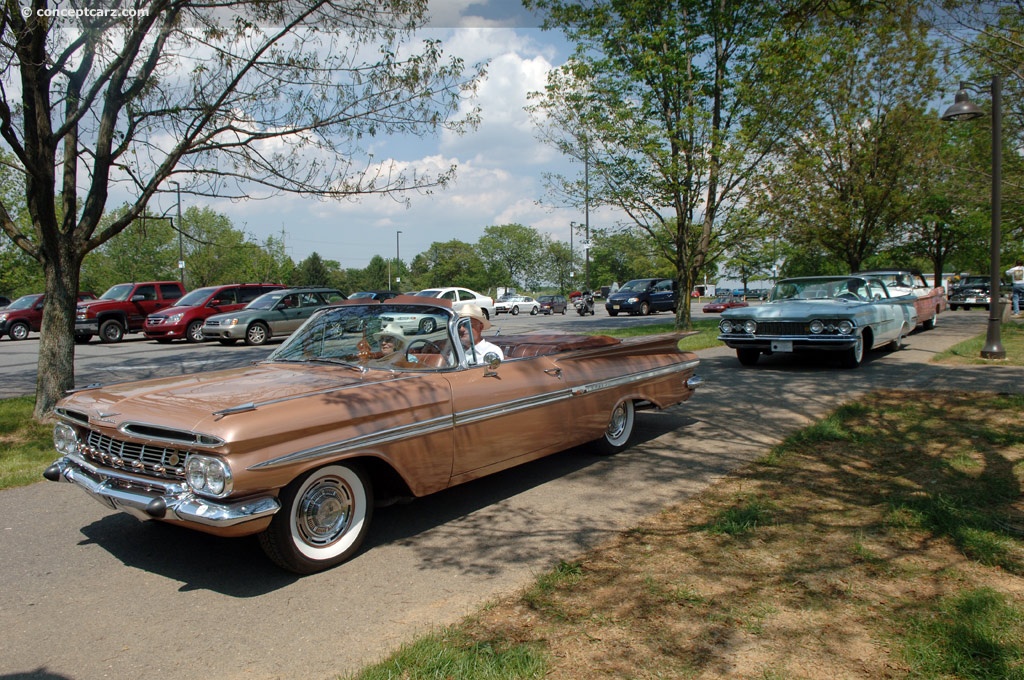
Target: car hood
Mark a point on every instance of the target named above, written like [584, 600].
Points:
[797, 309]
[215, 403]
[169, 311]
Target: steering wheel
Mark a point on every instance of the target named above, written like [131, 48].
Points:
[422, 347]
[848, 296]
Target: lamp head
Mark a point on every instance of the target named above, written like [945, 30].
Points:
[963, 108]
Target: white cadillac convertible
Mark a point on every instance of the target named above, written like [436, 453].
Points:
[845, 315]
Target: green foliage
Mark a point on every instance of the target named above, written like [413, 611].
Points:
[455, 654]
[974, 634]
[514, 254]
[26, 446]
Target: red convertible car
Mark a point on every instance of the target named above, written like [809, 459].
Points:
[724, 302]
[351, 410]
[929, 301]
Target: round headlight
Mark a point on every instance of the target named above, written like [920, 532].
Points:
[725, 326]
[216, 478]
[64, 438]
[208, 475]
[195, 473]
[750, 326]
[845, 327]
[817, 326]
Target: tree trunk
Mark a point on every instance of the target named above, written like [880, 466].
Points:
[56, 363]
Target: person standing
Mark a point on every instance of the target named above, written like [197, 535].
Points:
[1016, 274]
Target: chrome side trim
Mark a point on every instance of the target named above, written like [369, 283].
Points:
[504, 408]
[442, 423]
[377, 438]
[634, 377]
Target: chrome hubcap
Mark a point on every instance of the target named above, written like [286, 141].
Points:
[325, 513]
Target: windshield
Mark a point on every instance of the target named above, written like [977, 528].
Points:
[847, 288]
[407, 337]
[196, 297]
[24, 302]
[119, 292]
[266, 301]
[636, 286]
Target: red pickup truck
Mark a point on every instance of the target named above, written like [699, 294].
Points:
[123, 309]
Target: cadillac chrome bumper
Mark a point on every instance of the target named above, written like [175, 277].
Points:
[147, 498]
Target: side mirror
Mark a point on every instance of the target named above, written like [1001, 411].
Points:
[492, 361]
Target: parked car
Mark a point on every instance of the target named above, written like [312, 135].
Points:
[299, 448]
[971, 291]
[724, 302]
[929, 300]
[460, 297]
[271, 315]
[123, 309]
[845, 315]
[514, 304]
[185, 319]
[643, 297]
[25, 315]
[553, 304]
[374, 295]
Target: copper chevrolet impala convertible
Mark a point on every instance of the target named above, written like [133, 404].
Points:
[356, 407]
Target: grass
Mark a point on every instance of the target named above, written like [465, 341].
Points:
[706, 336]
[26, 446]
[969, 351]
[884, 541]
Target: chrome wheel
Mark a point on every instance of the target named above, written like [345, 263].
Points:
[258, 334]
[194, 332]
[19, 331]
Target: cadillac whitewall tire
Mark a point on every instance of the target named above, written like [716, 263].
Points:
[619, 431]
[324, 517]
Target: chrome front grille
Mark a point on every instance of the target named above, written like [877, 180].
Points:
[782, 328]
[144, 459]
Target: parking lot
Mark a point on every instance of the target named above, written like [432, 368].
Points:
[137, 358]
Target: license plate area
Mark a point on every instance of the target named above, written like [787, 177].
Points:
[782, 345]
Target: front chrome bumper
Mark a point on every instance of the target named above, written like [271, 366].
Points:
[148, 498]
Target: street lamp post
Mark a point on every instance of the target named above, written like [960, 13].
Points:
[181, 249]
[398, 257]
[964, 109]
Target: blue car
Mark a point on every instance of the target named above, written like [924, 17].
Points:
[643, 297]
[845, 315]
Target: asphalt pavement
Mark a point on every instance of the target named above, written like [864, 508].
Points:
[89, 593]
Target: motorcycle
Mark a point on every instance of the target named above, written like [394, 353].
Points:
[585, 304]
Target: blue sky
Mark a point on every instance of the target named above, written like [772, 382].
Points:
[500, 165]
